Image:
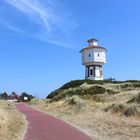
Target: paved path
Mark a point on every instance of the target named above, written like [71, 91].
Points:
[45, 127]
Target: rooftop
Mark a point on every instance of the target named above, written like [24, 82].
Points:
[93, 44]
[97, 47]
[92, 40]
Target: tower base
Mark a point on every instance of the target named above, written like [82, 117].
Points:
[95, 78]
[94, 72]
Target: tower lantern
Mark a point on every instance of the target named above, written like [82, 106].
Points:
[93, 58]
[93, 42]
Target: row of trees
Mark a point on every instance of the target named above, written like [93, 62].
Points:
[24, 94]
[21, 97]
[4, 96]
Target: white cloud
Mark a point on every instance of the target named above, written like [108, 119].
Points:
[10, 26]
[49, 16]
[32, 8]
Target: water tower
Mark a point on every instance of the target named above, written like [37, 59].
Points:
[93, 58]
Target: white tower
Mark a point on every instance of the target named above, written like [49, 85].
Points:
[93, 58]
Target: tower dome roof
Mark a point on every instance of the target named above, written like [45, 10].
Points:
[90, 47]
[92, 39]
[93, 43]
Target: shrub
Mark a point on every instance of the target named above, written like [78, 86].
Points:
[76, 102]
[54, 93]
[124, 109]
[99, 90]
[133, 81]
[110, 79]
[136, 85]
[58, 97]
[94, 90]
[98, 98]
[4, 96]
[126, 86]
[34, 101]
[135, 99]
[24, 94]
[131, 110]
[72, 84]
[76, 83]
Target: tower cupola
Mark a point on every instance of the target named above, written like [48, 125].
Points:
[93, 42]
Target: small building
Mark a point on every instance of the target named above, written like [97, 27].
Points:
[14, 97]
[93, 58]
[25, 98]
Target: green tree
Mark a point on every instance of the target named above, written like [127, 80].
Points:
[4, 96]
[24, 94]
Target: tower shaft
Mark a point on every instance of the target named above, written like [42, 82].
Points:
[94, 72]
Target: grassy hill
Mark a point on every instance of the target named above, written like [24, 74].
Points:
[88, 88]
[102, 109]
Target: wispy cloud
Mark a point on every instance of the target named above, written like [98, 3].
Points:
[10, 26]
[49, 16]
[32, 8]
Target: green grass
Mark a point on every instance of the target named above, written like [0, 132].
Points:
[76, 83]
[73, 88]
[83, 93]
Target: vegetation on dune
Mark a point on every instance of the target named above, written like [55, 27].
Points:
[36, 101]
[135, 99]
[129, 85]
[75, 103]
[96, 90]
[108, 109]
[128, 108]
[91, 91]
[74, 100]
[12, 123]
[76, 83]
[73, 88]
[133, 81]
[123, 109]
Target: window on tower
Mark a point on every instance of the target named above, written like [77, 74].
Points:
[98, 54]
[91, 72]
[89, 55]
[83, 57]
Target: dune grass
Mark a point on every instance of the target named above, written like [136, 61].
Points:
[105, 111]
[12, 123]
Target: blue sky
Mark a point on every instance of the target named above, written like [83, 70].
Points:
[40, 41]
